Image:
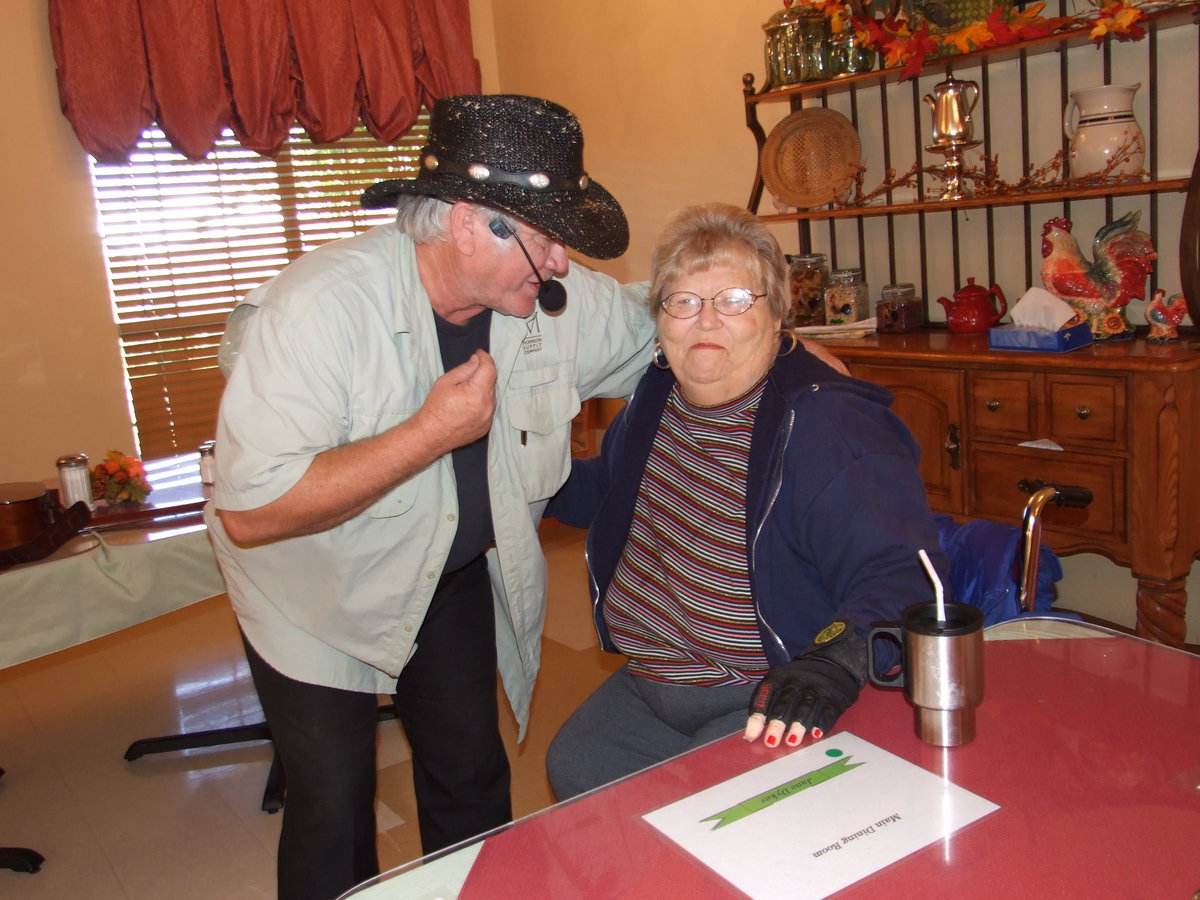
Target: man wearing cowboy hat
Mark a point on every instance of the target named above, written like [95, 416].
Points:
[398, 415]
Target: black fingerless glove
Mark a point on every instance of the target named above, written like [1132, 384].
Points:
[820, 684]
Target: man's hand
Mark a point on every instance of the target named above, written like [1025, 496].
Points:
[812, 691]
[461, 403]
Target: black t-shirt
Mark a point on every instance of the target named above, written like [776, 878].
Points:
[457, 343]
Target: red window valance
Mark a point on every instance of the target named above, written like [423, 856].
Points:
[198, 66]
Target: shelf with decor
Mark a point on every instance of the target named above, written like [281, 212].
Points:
[1019, 138]
[1113, 416]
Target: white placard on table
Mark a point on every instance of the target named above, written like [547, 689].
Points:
[812, 822]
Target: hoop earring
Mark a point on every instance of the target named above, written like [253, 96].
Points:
[795, 341]
[660, 358]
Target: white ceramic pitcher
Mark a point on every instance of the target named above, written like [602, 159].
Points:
[1099, 121]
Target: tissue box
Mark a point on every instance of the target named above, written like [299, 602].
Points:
[1012, 337]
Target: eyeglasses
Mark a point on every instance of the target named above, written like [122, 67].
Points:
[730, 302]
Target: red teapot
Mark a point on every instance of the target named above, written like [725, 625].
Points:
[974, 308]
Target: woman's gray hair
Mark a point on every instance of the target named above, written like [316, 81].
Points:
[713, 234]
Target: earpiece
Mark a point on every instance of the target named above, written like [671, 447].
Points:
[551, 296]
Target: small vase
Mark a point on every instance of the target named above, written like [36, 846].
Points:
[1100, 125]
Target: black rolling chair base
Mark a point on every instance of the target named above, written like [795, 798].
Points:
[21, 859]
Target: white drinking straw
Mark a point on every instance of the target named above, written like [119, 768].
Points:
[937, 585]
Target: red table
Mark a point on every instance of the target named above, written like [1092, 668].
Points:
[1089, 743]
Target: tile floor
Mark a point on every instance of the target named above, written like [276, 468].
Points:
[188, 825]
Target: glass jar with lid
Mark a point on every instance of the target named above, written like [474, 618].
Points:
[809, 278]
[899, 309]
[74, 480]
[846, 298]
[848, 55]
[796, 46]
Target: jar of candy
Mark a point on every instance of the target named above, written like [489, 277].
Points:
[809, 278]
[846, 298]
[899, 310]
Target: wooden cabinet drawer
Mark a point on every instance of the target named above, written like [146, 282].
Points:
[996, 471]
[1003, 406]
[1087, 410]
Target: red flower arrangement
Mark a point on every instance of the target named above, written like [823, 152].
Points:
[120, 478]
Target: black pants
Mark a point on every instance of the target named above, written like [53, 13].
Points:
[446, 700]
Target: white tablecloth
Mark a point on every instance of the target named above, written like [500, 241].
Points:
[98, 584]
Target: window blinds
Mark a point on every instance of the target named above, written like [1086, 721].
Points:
[185, 240]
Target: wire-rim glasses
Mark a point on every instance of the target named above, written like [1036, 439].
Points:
[732, 301]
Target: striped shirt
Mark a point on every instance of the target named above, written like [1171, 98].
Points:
[679, 605]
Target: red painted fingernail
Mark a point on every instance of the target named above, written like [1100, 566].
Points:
[772, 740]
[817, 734]
[793, 739]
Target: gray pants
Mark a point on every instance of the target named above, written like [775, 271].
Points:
[630, 723]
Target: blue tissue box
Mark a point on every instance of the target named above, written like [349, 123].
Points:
[1011, 337]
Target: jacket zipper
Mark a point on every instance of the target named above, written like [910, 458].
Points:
[776, 486]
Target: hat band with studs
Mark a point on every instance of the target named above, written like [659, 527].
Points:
[484, 174]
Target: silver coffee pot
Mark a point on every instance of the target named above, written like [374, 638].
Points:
[952, 102]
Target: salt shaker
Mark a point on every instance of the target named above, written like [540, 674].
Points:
[74, 480]
[208, 462]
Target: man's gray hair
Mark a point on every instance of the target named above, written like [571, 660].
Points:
[424, 218]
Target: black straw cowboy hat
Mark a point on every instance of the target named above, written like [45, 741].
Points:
[520, 155]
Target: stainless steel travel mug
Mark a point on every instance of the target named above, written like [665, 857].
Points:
[941, 668]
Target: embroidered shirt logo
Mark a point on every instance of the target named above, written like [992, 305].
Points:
[532, 342]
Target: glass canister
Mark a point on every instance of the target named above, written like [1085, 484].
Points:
[814, 46]
[846, 298]
[796, 46]
[809, 278]
[848, 56]
[74, 480]
[899, 310]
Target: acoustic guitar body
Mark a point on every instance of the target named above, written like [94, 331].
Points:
[26, 510]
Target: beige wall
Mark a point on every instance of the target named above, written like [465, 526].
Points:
[656, 85]
[59, 363]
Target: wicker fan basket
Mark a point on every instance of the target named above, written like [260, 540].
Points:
[810, 157]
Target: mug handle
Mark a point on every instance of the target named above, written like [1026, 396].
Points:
[1068, 117]
[890, 630]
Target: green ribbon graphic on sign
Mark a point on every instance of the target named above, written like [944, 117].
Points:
[782, 792]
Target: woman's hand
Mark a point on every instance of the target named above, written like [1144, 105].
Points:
[809, 693]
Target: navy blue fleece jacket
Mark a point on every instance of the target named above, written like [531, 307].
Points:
[836, 508]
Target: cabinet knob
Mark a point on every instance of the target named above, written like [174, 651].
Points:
[1084, 412]
[993, 405]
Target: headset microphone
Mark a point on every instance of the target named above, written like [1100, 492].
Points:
[551, 295]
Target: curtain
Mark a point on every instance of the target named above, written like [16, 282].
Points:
[197, 67]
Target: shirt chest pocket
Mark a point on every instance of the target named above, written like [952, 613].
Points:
[401, 497]
[540, 406]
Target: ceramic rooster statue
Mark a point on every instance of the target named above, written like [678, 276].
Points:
[1122, 257]
[1164, 315]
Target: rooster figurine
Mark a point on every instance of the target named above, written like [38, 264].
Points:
[1100, 289]
[1164, 316]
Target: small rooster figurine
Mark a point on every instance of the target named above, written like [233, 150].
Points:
[1164, 316]
[1100, 289]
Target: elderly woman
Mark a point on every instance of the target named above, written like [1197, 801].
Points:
[751, 514]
